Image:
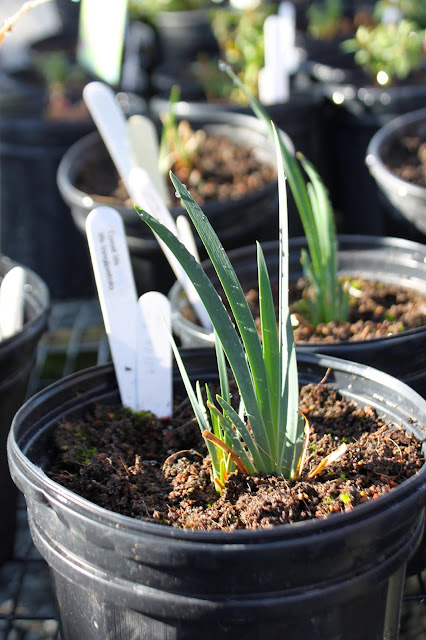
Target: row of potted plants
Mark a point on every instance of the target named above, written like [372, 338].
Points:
[124, 560]
[242, 526]
[333, 105]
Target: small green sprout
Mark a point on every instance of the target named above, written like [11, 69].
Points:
[390, 316]
[345, 498]
[179, 143]
[85, 456]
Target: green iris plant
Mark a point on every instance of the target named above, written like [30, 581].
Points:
[328, 298]
[266, 432]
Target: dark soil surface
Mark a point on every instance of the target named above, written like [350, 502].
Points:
[377, 310]
[136, 465]
[222, 171]
[406, 156]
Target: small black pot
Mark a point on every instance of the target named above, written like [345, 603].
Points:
[354, 109]
[237, 222]
[17, 358]
[405, 201]
[335, 579]
[390, 260]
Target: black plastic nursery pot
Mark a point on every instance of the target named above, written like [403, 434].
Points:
[17, 358]
[236, 222]
[354, 109]
[339, 578]
[405, 200]
[35, 224]
[391, 260]
[299, 118]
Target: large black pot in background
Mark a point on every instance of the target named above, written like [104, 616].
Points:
[404, 200]
[17, 358]
[299, 118]
[35, 224]
[237, 222]
[390, 260]
[339, 578]
[354, 109]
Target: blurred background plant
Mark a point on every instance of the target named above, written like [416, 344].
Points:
[239, 33]
[328, 19]
[414, 10]
[389, 51]
[179, 142]
[325, 18]
[64, 80]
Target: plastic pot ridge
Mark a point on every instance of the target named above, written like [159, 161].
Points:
[335, 579]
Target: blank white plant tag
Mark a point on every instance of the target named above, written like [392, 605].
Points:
[273, 79]
[111, 124]
[145, 147]
[117, 295]
[155, 362]
[12, 302]
[145, 196]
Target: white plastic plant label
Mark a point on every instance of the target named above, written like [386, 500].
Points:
[102, 30]
[117, 295]
[145, 147]
[273, 78]
[147, 198]
[155, 362]
[111, 124]
[12, 302]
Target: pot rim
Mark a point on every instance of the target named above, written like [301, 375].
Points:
[374, 154]
[55, 493]
[398, 243]
[75, 196]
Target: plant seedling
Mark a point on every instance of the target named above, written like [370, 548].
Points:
[179, 143]
[240, 36]
[267, 433]
[328, 298]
